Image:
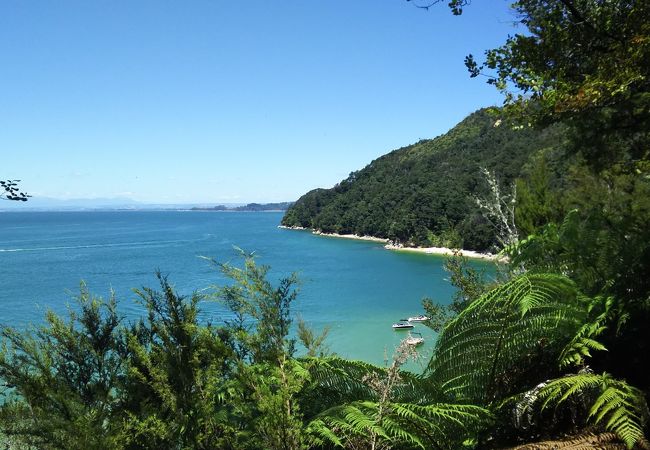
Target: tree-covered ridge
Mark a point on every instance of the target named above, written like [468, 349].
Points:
[422, 194]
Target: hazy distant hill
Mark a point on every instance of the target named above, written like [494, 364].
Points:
[54, 204]
[281, 206]
[422, 194]
[37, 203]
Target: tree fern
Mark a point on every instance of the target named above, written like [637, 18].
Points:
[480, 352]
[335, 381]
[405, 425]
[615, 405]
[584, 341]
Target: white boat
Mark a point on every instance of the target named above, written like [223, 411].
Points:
[403, 324]
[415, 340]
[420, 318]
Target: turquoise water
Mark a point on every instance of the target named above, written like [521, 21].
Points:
[357, 288]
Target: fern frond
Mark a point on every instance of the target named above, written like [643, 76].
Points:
[401, 424]
[496, 333]
[618, 407]
[322, 434]
[584, 341]
[335, 381]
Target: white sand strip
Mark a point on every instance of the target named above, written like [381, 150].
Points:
[389, 246]
[443, 251]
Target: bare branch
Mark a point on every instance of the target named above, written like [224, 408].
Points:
[499, 210]
[456, 6]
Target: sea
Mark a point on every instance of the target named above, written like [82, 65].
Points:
[355, 288]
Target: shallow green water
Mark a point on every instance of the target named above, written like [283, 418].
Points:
[356, 288]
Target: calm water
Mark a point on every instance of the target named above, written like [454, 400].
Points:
[356, 288]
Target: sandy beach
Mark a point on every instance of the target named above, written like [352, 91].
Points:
[443, 251]
[352, 236]
[390, 246]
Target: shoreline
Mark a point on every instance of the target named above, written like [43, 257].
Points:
[336, 235]
[440, 251]
[444, 251]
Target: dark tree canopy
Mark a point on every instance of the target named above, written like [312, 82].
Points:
[585, 62]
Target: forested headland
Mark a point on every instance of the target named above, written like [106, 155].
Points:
[550, 354]
[423, 194]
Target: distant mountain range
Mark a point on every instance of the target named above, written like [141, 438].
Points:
[55, 204]
[110, 204]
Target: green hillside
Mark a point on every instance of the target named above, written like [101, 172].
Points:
[422, 194]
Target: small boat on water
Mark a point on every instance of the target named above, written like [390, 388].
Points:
[420, 318]
[403, 324]
[415, 340]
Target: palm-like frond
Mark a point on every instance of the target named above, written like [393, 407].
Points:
[407, 425]
[618, 407]
[336, 381]
[480, 352]
[580, 347]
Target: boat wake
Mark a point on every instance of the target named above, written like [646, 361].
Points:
[76, 247]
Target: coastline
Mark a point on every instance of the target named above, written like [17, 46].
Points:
[444, 251]
[352, 236]
[440, 251]
[336, 235]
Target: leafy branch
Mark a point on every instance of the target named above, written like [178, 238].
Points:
[11, 191]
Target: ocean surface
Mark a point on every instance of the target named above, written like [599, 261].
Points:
[357, 288]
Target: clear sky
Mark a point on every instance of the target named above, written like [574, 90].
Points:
[227, 101]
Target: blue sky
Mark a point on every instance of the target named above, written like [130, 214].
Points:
[227, 101]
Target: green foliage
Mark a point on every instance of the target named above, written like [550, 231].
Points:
[176, 389]
[614, 404]
[422, 194]
[470, 284]
[386, 408]
[604, 245]
[403, 425]
[62, 379]
[599, 52]
[537, 203]
[261, 309]
[585, 63]
[267, 379]
[584, 342]
[169, 381]
[335, 381]
[605, 249]
[525, 331]
[315, 344]
[277, 422]
[506, 337]
[164, 382]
